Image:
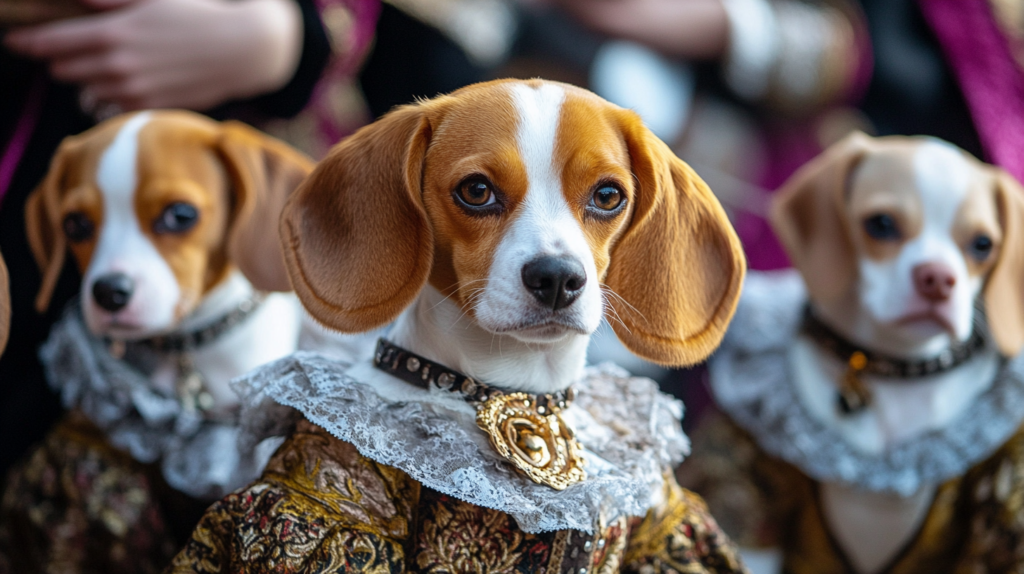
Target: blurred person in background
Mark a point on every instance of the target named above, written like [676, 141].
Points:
[287, 66]
[761, 87]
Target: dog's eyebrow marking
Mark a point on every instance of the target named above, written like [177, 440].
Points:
[539, 109]
[116, 173]
[943, 176]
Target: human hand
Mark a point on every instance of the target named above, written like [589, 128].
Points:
[691, 29]
[191, 54]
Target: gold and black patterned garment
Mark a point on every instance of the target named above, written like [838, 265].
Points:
[79, 505]
[975, 524]
[320, 506]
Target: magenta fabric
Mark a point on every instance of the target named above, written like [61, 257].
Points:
[22, 134]
[343, 68]
[991, 80]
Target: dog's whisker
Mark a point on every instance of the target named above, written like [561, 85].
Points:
[615, 315]
[454, 291]
[611, 292]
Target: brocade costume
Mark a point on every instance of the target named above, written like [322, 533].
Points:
[121, 481]
[369, 484]
[760, 464]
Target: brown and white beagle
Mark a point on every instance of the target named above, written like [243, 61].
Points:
[170, 217]
[500, 223]
[898, 240]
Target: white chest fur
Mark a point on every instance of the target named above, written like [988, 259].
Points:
[270, 333]
[872, 527]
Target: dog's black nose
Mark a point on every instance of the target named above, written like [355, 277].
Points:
[113, 291]
[555, 281]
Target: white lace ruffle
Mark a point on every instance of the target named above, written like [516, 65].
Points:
[630, 432]
[199, 457]
[752, 382]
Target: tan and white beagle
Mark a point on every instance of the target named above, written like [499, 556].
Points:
[898, 239]
[170, 218]
[499, 224]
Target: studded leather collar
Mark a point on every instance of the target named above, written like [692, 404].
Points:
[883, 365]
[422, 372]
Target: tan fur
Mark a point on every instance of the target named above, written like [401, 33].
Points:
[236, 176]
[376, 221]
[5, 305]
[1004, 291]
[679, 263]
[806, 217]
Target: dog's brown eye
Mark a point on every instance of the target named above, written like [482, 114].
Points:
[981, 247]
[607, 198]
[78, 227]
[476, 193]
[882, 227]
[177, 217]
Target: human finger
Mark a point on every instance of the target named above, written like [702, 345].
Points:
[70, 37]
[91, 67]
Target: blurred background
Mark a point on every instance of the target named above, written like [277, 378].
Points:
[744, 90]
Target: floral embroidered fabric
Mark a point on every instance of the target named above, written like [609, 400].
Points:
[321, 506]
[752, 382]
[198, 456]
[629, 430]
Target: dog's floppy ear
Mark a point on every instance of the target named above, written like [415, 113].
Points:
[806, 216]
[357, 241]
[678, 266]
[263, 172]
[43, 223]
[5, 305]
[1004, 290]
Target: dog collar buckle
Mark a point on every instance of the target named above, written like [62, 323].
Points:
[526, 430]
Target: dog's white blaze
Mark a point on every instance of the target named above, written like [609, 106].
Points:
[544, 224]
[124, 248]
[942, 175]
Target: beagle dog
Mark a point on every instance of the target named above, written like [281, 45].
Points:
[898, 240]
[500, 243]
[901, 243]
[166, 214]
[170, 218]
[496, 227]
[899, 348]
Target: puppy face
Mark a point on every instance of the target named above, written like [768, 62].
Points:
[536, 206]
[525, 212]
[926, 230]
[918, 228]
[148, 205]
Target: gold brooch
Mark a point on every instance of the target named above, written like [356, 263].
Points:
[526, 430]
[536, 441]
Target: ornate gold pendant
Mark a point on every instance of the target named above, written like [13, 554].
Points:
[853, 396]
[542, 446]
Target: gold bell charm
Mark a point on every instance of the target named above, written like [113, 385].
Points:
[853, 395]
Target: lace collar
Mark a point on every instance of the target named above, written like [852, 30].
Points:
[629, 430]
[752, 382]
[198, 456]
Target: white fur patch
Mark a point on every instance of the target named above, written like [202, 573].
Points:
[123, 247]
[543, 225]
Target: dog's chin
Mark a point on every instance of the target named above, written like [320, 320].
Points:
[924, 326]
[122, 327]
[543, 332]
